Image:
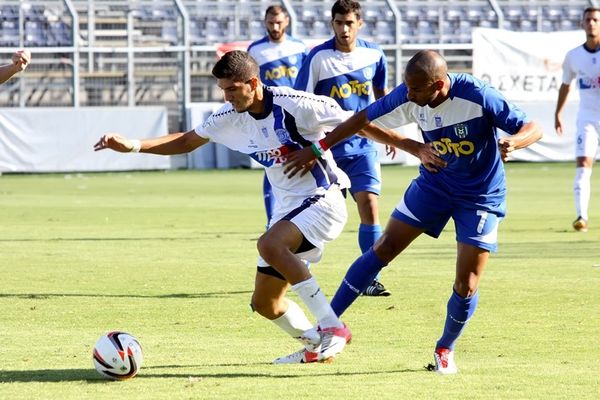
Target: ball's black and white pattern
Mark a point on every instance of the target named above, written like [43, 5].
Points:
[117, 355]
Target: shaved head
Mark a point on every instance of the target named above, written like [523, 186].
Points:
[427, 64]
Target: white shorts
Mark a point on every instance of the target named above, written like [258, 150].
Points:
[320, 219]
[586, 138]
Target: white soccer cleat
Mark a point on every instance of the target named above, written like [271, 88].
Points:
[444, 361]
[301, 356]
[311, 339]
[333, 341]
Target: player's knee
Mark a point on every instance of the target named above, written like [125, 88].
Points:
[266, 248]
[385, 249]
[263, 306]
[466, 287]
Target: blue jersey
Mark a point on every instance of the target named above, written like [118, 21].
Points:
[349, 79]
[279, 62]
[463, 130]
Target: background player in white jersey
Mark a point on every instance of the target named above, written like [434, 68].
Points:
[458, 116]
[267, 123]
[354, 73]
[279, 57]
[583, 63]
[20, 61]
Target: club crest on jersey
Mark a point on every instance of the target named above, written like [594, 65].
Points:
[283, 135]
[461, 130]
[368, 73]
[293, 59]
[264, 131]
[438, 121]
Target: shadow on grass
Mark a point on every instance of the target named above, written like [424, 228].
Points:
[91, 376]
[37, 296]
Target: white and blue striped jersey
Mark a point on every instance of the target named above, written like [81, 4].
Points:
[463, 130]
[349, 79]
[291, 120]
[279, 62]
[584, 64]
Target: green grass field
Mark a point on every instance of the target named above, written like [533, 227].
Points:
[170, 257]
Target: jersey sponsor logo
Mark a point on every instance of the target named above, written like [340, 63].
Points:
[350, 88]
[272, 156]
[446, 146]
[461, 130]
[589, 83]
[283, 135]
[282, 71]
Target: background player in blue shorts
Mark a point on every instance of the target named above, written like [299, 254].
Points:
[279, 57]
[458, 116]
[353, 72]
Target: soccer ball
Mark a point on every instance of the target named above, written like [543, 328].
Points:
[117, 355]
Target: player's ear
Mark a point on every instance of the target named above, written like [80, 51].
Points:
[253, 82]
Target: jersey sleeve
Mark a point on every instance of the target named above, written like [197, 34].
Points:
[567, 71]
[306, 75]
[320, 114]
[504, 114]
[214, 124]
[381, 75]
[392, 110]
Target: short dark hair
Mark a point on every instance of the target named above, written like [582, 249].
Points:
[276, 9]
[236, 65]
[589, 10]
[344, 7]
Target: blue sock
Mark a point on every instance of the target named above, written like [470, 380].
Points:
[367, 236]
[268, 198]
[360, 275]
[460, 309]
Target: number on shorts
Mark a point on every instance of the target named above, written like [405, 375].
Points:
[483, 216]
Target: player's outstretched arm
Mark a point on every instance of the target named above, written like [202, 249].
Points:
[529, 133]
[425, 152]
[20, 61]
[300, 160]
[174, 143]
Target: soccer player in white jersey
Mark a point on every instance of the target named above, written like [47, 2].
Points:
[279, 57]
[20, 61]
[583, 63]
[458, 116]
[353, 72]
[268, 123]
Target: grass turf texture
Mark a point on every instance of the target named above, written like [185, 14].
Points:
[170, 258]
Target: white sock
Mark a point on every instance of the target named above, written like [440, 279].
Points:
[293, 321]
[314, 298]
[582, 189]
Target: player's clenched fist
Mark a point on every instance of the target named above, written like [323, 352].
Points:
[21, 59]
[115, 142]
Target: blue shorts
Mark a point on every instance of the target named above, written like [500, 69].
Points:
[363, 170]
[430, 208]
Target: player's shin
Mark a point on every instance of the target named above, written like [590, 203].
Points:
[314, 298]
[460, 309]
[359, 276]
[293, 321]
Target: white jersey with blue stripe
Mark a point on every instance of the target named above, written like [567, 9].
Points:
[291, 120]
[279, 62]
[348, 78]
[463, 130]
[584, 64]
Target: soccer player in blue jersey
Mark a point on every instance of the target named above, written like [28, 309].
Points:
[458, 116]
[353, 72]
[279, 57]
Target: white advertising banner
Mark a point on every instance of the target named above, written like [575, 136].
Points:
[524, 66]
[527, 68]
[62, 139]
